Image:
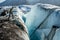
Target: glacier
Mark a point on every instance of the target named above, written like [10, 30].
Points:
[40, 19]
[38, 14]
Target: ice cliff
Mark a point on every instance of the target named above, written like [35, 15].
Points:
[43, 16]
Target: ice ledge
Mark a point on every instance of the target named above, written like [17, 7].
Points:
[48, 6]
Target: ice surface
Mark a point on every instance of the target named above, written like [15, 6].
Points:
[37, 14]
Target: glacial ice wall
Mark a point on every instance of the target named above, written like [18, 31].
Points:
[37, 15]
